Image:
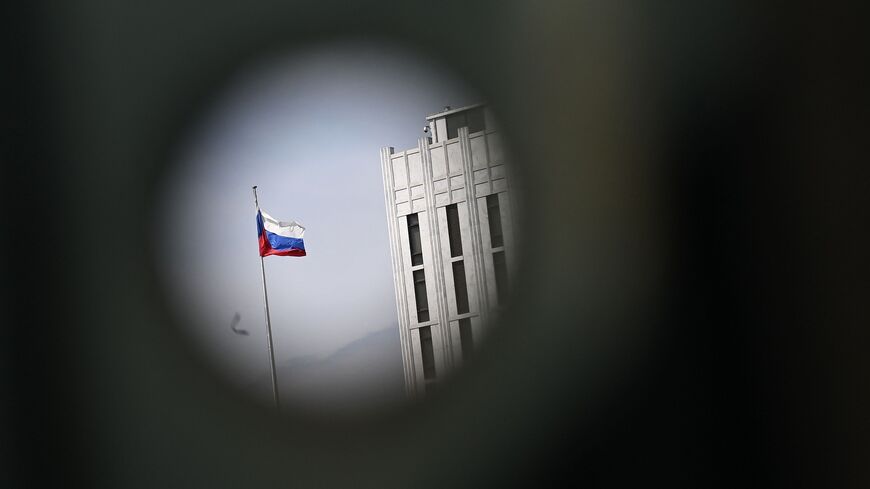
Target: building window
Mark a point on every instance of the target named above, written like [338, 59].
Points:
[414, 237]
[460, 287]
[465, 338]
[474, 119]
[427, 352]
[420, 296]
[454, 122]
[495, 234]
[501, 278]
[453, 232]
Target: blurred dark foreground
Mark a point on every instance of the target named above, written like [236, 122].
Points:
[692, 311]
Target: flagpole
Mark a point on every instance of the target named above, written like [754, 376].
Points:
[268, 320]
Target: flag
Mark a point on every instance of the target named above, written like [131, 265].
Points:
[279, 237]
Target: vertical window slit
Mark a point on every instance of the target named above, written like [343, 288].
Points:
[495, 234]
[465, 338]
[453, 233]
[414, 239]
[420, 296]
[460, 287]
[427, 352]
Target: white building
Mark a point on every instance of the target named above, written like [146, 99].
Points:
[451, 237]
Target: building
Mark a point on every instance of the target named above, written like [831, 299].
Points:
[450, 223]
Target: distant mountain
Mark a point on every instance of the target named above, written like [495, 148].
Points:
[362, 375]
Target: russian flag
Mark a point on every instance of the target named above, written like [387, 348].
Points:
[279, 237]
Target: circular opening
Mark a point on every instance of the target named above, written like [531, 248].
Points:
[389, 175]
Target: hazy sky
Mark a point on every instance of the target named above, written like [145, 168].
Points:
[307, 129]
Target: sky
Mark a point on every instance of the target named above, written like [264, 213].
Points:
[306, 128]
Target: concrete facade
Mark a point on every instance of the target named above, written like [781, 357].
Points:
[450, 186]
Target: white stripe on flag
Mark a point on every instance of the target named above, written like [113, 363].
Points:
[291, 229]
